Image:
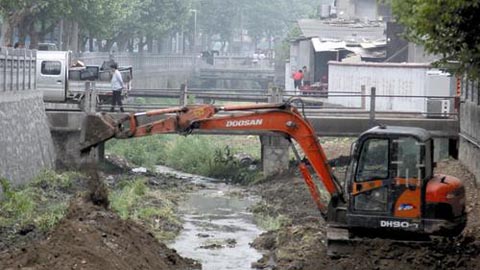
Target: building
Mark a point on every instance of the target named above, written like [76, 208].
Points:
[326, 40]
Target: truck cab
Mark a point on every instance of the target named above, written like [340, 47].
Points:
[63, 83]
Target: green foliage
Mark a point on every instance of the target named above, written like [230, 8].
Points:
[210, 156]
[192, 154]
[261, 18]
[147, 151]
[227, 166]
[51, 179]
[448, 28]
[123, 201]
[39, 203]
[153, 208]
[282, 50]
[19, 206]
[51, 216]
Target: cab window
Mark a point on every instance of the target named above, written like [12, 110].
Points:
[51, 68]
[373, 160]
[409, 158]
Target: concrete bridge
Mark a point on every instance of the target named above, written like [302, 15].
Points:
[334, 122]
[66, 126]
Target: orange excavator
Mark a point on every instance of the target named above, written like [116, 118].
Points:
[389, 184]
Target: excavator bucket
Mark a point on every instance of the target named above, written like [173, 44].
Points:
[96, 128]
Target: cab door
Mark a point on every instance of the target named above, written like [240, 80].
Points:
[52, 75]
[371, 184]
[387, 182]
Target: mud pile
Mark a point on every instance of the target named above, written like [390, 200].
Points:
[301, 244]
[90, 237]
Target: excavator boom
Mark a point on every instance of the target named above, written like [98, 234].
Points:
[391, 184]
[279, 118]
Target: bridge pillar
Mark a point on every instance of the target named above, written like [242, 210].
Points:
[275, 149]
[66, 128]
[274, 155]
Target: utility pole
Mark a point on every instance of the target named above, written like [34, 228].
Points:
[194, 30]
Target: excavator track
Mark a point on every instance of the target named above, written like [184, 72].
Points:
[341, 242]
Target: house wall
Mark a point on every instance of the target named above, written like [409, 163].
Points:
[389, 79]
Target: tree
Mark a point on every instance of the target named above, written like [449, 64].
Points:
[34, 18]
[445, 27]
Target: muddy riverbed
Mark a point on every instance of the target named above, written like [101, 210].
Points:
[218, 227]
[300, 243]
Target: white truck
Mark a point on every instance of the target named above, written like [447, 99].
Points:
[61, 82]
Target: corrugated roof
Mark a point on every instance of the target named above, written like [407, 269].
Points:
[321, 46]
[341, 30]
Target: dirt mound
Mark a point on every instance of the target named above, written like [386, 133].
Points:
[89, 237]
[301, 244]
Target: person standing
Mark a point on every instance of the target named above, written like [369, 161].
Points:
[117, 87]
[297, 79]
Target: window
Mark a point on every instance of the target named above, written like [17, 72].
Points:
[408, 158]
[373, 161]
[51, 68]
[375, 200]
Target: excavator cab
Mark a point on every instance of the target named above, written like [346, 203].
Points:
[390, 184]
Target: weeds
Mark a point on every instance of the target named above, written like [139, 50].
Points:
[153, 208]
[41, 203]
[211, 156]
[124, 199]
[268, 218]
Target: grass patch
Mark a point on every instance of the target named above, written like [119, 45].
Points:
[153, 208]
[212, 156]
[124, 200]
[267, 218]
[41, 203]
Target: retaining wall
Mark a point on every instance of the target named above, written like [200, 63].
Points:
[469, 153]
[26, 146]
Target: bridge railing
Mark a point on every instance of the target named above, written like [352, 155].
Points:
[313, 103]
[17, 69]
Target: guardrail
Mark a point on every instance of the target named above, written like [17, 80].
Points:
[313, 103]
[17, 69]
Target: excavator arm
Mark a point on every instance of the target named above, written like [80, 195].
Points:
[279, 118]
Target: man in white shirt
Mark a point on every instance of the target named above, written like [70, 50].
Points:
[117, 87]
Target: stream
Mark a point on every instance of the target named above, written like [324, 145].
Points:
[218, 228]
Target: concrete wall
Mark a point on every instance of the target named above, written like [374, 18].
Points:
[26, 146]
[469, 153]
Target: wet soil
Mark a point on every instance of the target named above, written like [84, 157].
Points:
[300, 243]
[92, 237]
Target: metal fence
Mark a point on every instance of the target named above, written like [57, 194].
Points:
[140, 61]
[313, 103]
[150, 61]
[17, 69]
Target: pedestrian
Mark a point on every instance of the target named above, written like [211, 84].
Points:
[117, 87]
[306, 76]
[297, 79]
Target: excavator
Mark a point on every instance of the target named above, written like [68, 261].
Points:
[389, 188]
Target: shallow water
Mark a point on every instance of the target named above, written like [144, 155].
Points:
[218, 228]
